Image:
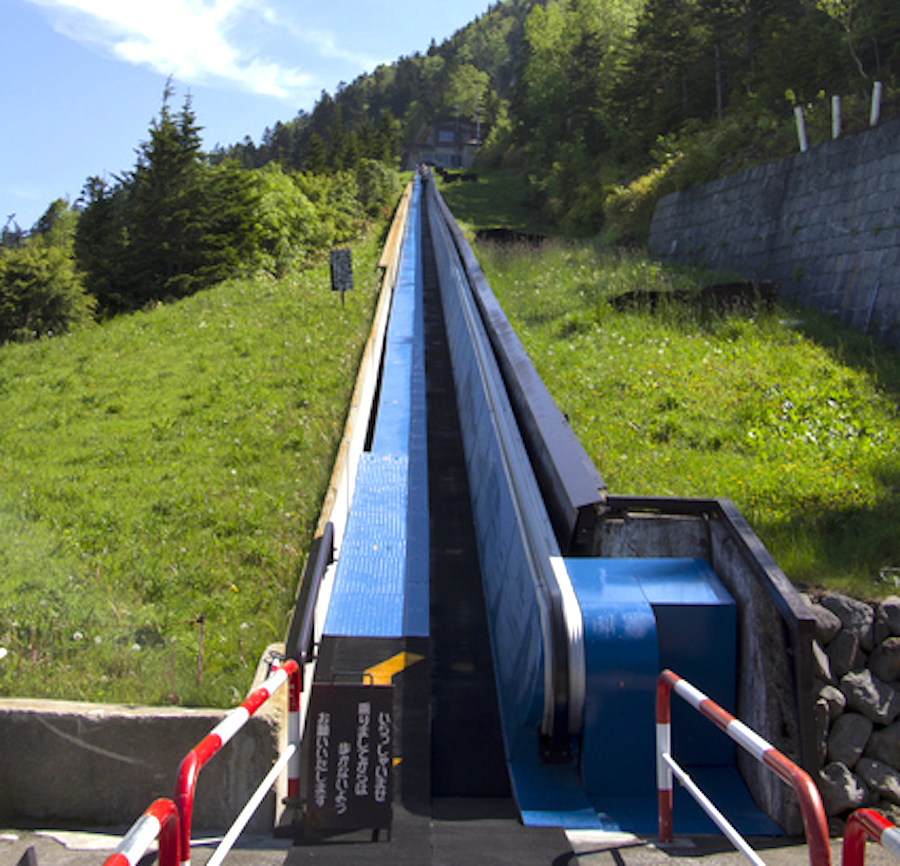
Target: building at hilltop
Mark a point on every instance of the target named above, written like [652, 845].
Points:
[448, 142]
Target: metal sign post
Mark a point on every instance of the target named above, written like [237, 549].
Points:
[350, 763]
[341, 272]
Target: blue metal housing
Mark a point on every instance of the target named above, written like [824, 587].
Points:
[381, 580]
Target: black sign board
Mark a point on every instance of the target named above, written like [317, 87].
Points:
[341, 272]
[351, 743]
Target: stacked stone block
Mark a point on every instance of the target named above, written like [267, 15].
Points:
[857, 658]
[824, 225]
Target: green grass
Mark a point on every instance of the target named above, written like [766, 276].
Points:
[794, 418]
[169, 466]
[164, 468]
[498, 199]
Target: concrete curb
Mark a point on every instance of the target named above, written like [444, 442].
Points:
[68, 762]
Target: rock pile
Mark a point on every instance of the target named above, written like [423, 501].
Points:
[857, 658]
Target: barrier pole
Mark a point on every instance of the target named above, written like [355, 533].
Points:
[814, 821]
[295, 688]
[213, 742]
[160, 820]
[863, 824]
[249, 810]
[709, 807]
[801, 129]
[664, 777]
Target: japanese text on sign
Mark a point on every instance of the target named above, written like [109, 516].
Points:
[351, 762]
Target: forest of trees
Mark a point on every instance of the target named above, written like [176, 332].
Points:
[579, 96]
[609, 89]
[178, 222]
[583, 94]
[469, 73]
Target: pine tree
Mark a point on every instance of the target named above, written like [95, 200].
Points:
[101, 245]
[41, 292]
[316, 157]
[387, 139]
[166, 192]
[227, 209]
[173, 226]
[57, 225]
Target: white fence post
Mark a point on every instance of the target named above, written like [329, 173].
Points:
[801, 128]
[876, 104]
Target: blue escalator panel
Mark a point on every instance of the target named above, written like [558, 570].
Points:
[381, 579]
[642, 615]
[697, 623]
[622, 662]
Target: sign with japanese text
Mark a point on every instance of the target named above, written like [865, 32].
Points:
[351, 742]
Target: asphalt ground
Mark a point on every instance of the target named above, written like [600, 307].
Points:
[452, 840]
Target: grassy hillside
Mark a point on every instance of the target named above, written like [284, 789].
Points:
[160, 475]
[790, 415]
[160, 478]
[497, 199]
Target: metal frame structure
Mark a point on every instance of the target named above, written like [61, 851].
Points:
[159, 821]
[814, 820]
[219, 737]
[868, 824]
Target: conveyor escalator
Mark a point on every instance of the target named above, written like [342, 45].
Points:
[467, 757]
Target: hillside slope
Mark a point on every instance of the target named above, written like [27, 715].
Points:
[160, 478]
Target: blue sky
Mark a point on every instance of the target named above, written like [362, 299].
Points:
[82, 79]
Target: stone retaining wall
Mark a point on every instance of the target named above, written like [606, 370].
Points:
[824, 225]
[857, 658]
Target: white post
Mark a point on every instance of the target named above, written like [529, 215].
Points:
[876, 104]
[801, 128]
[835, 117]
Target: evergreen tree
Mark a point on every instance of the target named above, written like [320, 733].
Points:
[12, 235]
[101, 242]
[227, 213]
[166, 191]
[174, 225]
[387, 139]
[41, 292]
[57, 225]
[658, 85]
[316, 158]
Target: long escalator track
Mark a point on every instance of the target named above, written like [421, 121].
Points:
[452, 795]
[467, 758]
[450, 566]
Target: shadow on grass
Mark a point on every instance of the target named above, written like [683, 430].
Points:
[854, 349]
[859, 545]
[495, 200]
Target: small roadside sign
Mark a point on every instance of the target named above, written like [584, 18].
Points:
[341, 272]
[351, 745]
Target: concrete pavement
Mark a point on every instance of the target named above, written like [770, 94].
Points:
[91, 848]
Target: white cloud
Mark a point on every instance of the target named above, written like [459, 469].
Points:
[325, 45]
[193, 40]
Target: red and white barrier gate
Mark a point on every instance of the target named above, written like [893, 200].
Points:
[814, 819]
[863, 824]
[222, 734]
[160, 820]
